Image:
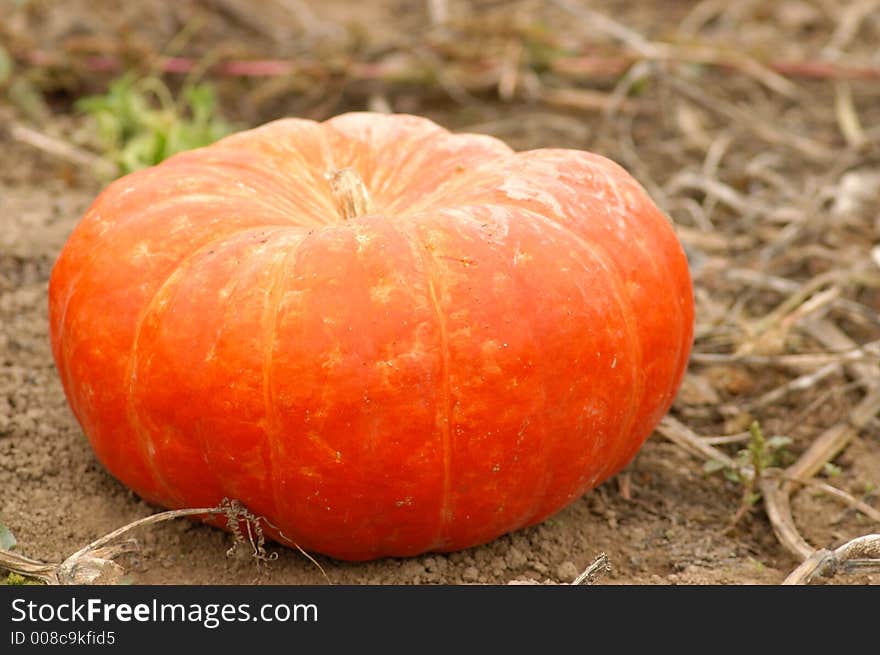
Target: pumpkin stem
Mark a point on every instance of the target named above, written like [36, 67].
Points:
[349, 192]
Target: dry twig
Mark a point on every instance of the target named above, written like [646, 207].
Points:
[94, 563]
[60, 149]
[600, 566]
[860, 555]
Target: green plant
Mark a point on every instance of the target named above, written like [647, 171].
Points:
[831, 470]
[759, 455]
[7, 539]
[139, 123]
[8, 542]
[17, 579]
[5, 66]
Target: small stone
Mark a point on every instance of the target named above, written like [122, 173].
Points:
[696, 390]
[515, 558]
[412, 569]
[567, 571]
[540, 567]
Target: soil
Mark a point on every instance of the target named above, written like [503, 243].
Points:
[664, 520]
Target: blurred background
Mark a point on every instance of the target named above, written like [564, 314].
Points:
[797, 76]
[755, 125]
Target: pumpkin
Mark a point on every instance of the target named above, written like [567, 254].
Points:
[383, 337]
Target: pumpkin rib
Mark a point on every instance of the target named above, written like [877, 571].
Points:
[605, 167]
[425, 148]
[614, 275]
[627, 311]
[134, 218]
[145, 213]
[147, 446]
[263, 145]
[459, 213]
[273, 424]
[179, 392]
[622, 301]
[444, 404]
[625, 307]
[387, 175]
[154, 206]
[323, 200]
[489, 235]
[68, 281]
[663, 273]
[279, 144]
[227, 311]
[451, 185]
[71, 287]
[414, 149]
[281, 194]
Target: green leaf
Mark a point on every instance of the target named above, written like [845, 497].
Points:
[7, 539]
[139, 123]
[778, 442]
[5, 65]
[732, 475]
[27, 98]
[16, 579]
[713, 466]
[831, 470]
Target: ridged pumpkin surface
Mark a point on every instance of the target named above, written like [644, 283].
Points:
[499, 335]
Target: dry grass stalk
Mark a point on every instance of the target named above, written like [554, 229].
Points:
[61, 149]
[668, 52]
[681, 435]
[805, 361]
[600, 566]
[845, 498]
[861, 554]
[94, 563]
[776, 486]
[777, 504]
[799, 383]
[831, 442]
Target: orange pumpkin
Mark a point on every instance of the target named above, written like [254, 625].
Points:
[384, 338]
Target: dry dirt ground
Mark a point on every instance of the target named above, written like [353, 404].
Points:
[770, 175]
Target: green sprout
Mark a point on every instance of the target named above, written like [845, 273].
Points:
[139, 123]
[7, 539]
[8, 542]
[759, 454]
[750, 464]
[17, 579]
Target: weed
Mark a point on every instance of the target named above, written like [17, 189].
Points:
[17, 579]
[831, 470]
[759, 455]
[7, 539]
[139, 123]
[8, 542]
